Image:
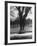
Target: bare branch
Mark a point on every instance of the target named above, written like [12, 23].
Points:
[27, 11]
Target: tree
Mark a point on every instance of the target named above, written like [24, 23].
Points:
[20, 15]
[22, 20]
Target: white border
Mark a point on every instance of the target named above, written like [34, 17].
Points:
[33, 35]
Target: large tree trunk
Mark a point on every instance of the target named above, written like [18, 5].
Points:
[20, 15]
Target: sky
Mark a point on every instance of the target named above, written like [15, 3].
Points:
[14, 13]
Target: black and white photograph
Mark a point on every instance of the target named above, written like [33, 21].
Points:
[20, 22]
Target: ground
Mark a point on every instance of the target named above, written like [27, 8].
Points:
[26, 35]
[27, 28]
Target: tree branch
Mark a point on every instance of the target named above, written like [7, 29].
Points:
[27, 11]
[22, 10]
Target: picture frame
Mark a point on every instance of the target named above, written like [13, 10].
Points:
[14, 40]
